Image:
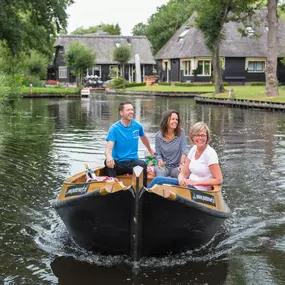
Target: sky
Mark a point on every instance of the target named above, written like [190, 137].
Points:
[126, 13]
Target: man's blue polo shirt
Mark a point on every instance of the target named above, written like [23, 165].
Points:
[126, 140]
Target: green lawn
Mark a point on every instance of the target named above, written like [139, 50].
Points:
[163, 88]
[240, 92]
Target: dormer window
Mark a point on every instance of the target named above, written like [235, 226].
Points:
[182, 35]
[250, 31]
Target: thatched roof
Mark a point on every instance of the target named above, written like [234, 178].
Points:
[103, 45]
[234, 45]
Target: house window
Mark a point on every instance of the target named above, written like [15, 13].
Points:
[94, 71]
[97, 70]
[187, 68]
[256, 66]
[113, 71]
[183, 34]
[62, 72]
[204, 68]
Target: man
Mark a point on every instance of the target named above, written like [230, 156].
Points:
[122, 144]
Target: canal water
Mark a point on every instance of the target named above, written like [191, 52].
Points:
[44, 141]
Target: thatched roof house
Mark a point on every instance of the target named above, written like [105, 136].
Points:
[243, 56]
[103, 46]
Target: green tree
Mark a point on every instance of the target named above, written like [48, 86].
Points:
[37, 65]
[12, 63]
[78, 57]
[82, 31]
[122, 54]
[111, 29]
[166, 21]
[212, 15]
[31, 24]
[139, 29]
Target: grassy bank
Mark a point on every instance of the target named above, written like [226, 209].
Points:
[162, 88]
[240, 92]
[40, 90]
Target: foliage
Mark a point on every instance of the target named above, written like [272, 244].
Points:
[37, 65]
[211, 17]
[257, 84]
[135, 84]
[31, 24]
[12, 63]
[49, 91]
[139, 29]
[82, 31]
[117, 83]
[197, 84]
[114, 72]
[52, 82]
[10, 88]
[165, 22]
[108, 28]
[164, 83]
[111, 29]
[27, 80]
[122, 54]
[78, 57]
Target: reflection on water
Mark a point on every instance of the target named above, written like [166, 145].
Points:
[70, 271]
[45, 141]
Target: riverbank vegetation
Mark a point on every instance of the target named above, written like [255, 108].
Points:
[239, 92]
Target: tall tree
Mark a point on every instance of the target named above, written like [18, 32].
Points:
[165, 21]
[212, 15]
[122, 54]
[79, 57]
[139, 29]
[272, 49]
[30, 24]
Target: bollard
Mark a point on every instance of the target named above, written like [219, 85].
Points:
[231, 93]
[31, 89]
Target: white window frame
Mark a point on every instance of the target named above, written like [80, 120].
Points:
[97, 67]
[183, 34]
[187, 67]
[62, 72]
[93, 70]
[255, 71]
[203, 68]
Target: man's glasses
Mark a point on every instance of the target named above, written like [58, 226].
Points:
[202, 136]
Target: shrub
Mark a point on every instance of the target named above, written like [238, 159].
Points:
[52, 82]
[27, 80]
[135, 84]
[164, 83]
[257, 84]
[117, 82]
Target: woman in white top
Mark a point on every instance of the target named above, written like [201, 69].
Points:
[201, 169]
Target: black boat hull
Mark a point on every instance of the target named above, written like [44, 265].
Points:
[105, 223]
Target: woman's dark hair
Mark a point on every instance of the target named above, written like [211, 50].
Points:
[164, 122]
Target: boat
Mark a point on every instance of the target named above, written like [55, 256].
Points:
[121, 216]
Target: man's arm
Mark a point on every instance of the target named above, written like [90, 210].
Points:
[145, 141]
[109, 158]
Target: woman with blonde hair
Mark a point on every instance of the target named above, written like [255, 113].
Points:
[201, 169]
